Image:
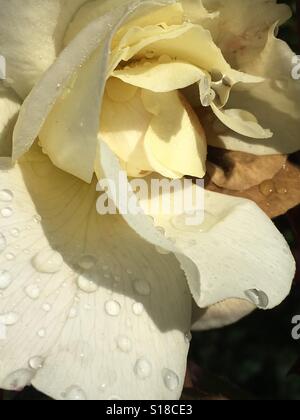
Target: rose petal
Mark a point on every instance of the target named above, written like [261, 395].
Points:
[91, 311]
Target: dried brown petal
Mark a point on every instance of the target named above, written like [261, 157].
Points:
[275, 196]
[241, 171]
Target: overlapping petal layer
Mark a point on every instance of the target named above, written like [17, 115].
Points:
[88, 309]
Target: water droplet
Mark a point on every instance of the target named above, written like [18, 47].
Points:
[3, 242]
[124, 344]
[48, 261]
[6, 196]
[150, 54]
[188, 337]
[10, 256]
[33, 291]
[86, 285]
[9, 319]
[143, 368]
[7, 212]
[281, 189]
[115, 398]
[142, 287]
[258, 297]
[112, 308]
[15, 232]
[42, 333]
[37, 218]
[73, 313]
[171, 380]
[194, 222]
[18, 380]
[267, 188]
[46, 307]
[137, 308]
[74, 393]
[36, 362]
[5, 279]
[162, 251]
[86, 262]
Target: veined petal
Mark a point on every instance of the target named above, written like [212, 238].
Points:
[221, 314]
[237, 252]
[30, 52]
[9, 109]
[90, 309]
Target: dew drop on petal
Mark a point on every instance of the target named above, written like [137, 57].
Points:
[162, 251]
[188, 337]
[73, 313]
[48, 261]
[86, 285]
[86, 262]
[15, 232]
[46, 307]
[115, 398]
[137, 308]
[36, 362]
[124, 344]
[171, 380]
[112, 308]
[6, 196]
[7, 212]
[143, 368]
[267, 188]
[10, 256]
[142, 287]
[18, 380]
[3, 242]
[42, 333]
[33, 291]
[9, 318]
[194, 222]
[74, 393]
[5, 279]
[258, 297]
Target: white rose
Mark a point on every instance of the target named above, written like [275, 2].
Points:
[91, 309]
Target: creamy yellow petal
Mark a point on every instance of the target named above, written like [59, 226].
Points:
[275, 102]
[241, 122]
[91, 310]
[175, 136]
[154, 12]
[178, 41]
[123, 125]
[9, 109]
[236, 252]
[221, 314]
[31, 37]
[159, 76]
